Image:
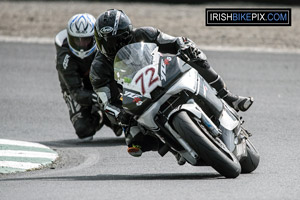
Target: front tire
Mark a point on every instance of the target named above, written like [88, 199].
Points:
[210, 151]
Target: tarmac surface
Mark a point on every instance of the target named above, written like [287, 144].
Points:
[32, 109]
[256, 61]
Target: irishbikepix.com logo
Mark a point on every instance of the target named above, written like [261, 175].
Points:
[248, 17]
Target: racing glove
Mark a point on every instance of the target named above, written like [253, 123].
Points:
[122, 117]
[189, 52]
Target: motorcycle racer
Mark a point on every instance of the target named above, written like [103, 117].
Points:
[113, 30]
[75, 50]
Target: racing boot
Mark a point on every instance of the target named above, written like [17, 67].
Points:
[239, 103]
[138, 143]
[86, 139]
[118, 130]
[86, 127]
[84, 130]
[131, 133]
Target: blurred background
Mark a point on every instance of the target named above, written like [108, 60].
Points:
[293, 2]
[44, 19]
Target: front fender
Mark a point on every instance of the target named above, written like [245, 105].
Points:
[192, 108]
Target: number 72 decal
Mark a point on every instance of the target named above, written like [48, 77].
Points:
[147, 80]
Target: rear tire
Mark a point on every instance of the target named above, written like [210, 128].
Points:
[210, 151]
[250, 163]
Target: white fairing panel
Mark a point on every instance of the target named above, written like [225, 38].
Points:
[187, 82]
[227, 121]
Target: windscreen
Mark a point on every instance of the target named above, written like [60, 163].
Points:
[131, 58]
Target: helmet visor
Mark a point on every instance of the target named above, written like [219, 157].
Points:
[110, 45]
[81, 43]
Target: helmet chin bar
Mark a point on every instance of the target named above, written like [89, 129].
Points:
[83, 54]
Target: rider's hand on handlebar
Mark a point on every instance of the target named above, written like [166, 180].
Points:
[189, 53]
[124, 118]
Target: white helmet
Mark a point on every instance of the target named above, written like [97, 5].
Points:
[81, 35]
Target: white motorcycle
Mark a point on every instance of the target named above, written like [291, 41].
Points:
[169, 99]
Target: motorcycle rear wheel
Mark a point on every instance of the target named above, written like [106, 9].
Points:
[210, 151]
[250, 163]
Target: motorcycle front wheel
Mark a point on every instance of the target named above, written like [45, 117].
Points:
[209, 149]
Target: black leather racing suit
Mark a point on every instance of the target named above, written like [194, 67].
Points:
[73, 75]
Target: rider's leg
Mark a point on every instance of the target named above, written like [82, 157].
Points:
[209, 74]
[84, 121]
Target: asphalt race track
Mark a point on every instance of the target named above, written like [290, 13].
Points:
[32, 109]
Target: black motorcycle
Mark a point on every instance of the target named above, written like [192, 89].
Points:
[169, 99]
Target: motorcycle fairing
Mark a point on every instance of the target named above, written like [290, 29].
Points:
[184, 83]
[170, 68]
[134, 102]
[208, 95]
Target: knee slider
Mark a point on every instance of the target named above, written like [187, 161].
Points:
[83, 129]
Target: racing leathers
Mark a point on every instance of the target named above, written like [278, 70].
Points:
[73, 75]
[102, 71]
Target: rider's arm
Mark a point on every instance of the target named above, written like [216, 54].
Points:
[165, 42]
[102, 80]
[189, 52]
[168, 43]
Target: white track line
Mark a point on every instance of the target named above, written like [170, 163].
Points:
[20, 165]
[43, 40]
[22, 143]
[15, 39]
[27, 154]
[12, 161]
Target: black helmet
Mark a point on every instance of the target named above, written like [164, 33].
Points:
[112, 32]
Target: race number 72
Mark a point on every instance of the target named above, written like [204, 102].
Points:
[147, 79]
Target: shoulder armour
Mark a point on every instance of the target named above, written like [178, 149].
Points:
[164, 38]
[147, 34]
[60, 37]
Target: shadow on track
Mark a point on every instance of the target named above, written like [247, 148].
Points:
[101, 142]
[117, 177]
